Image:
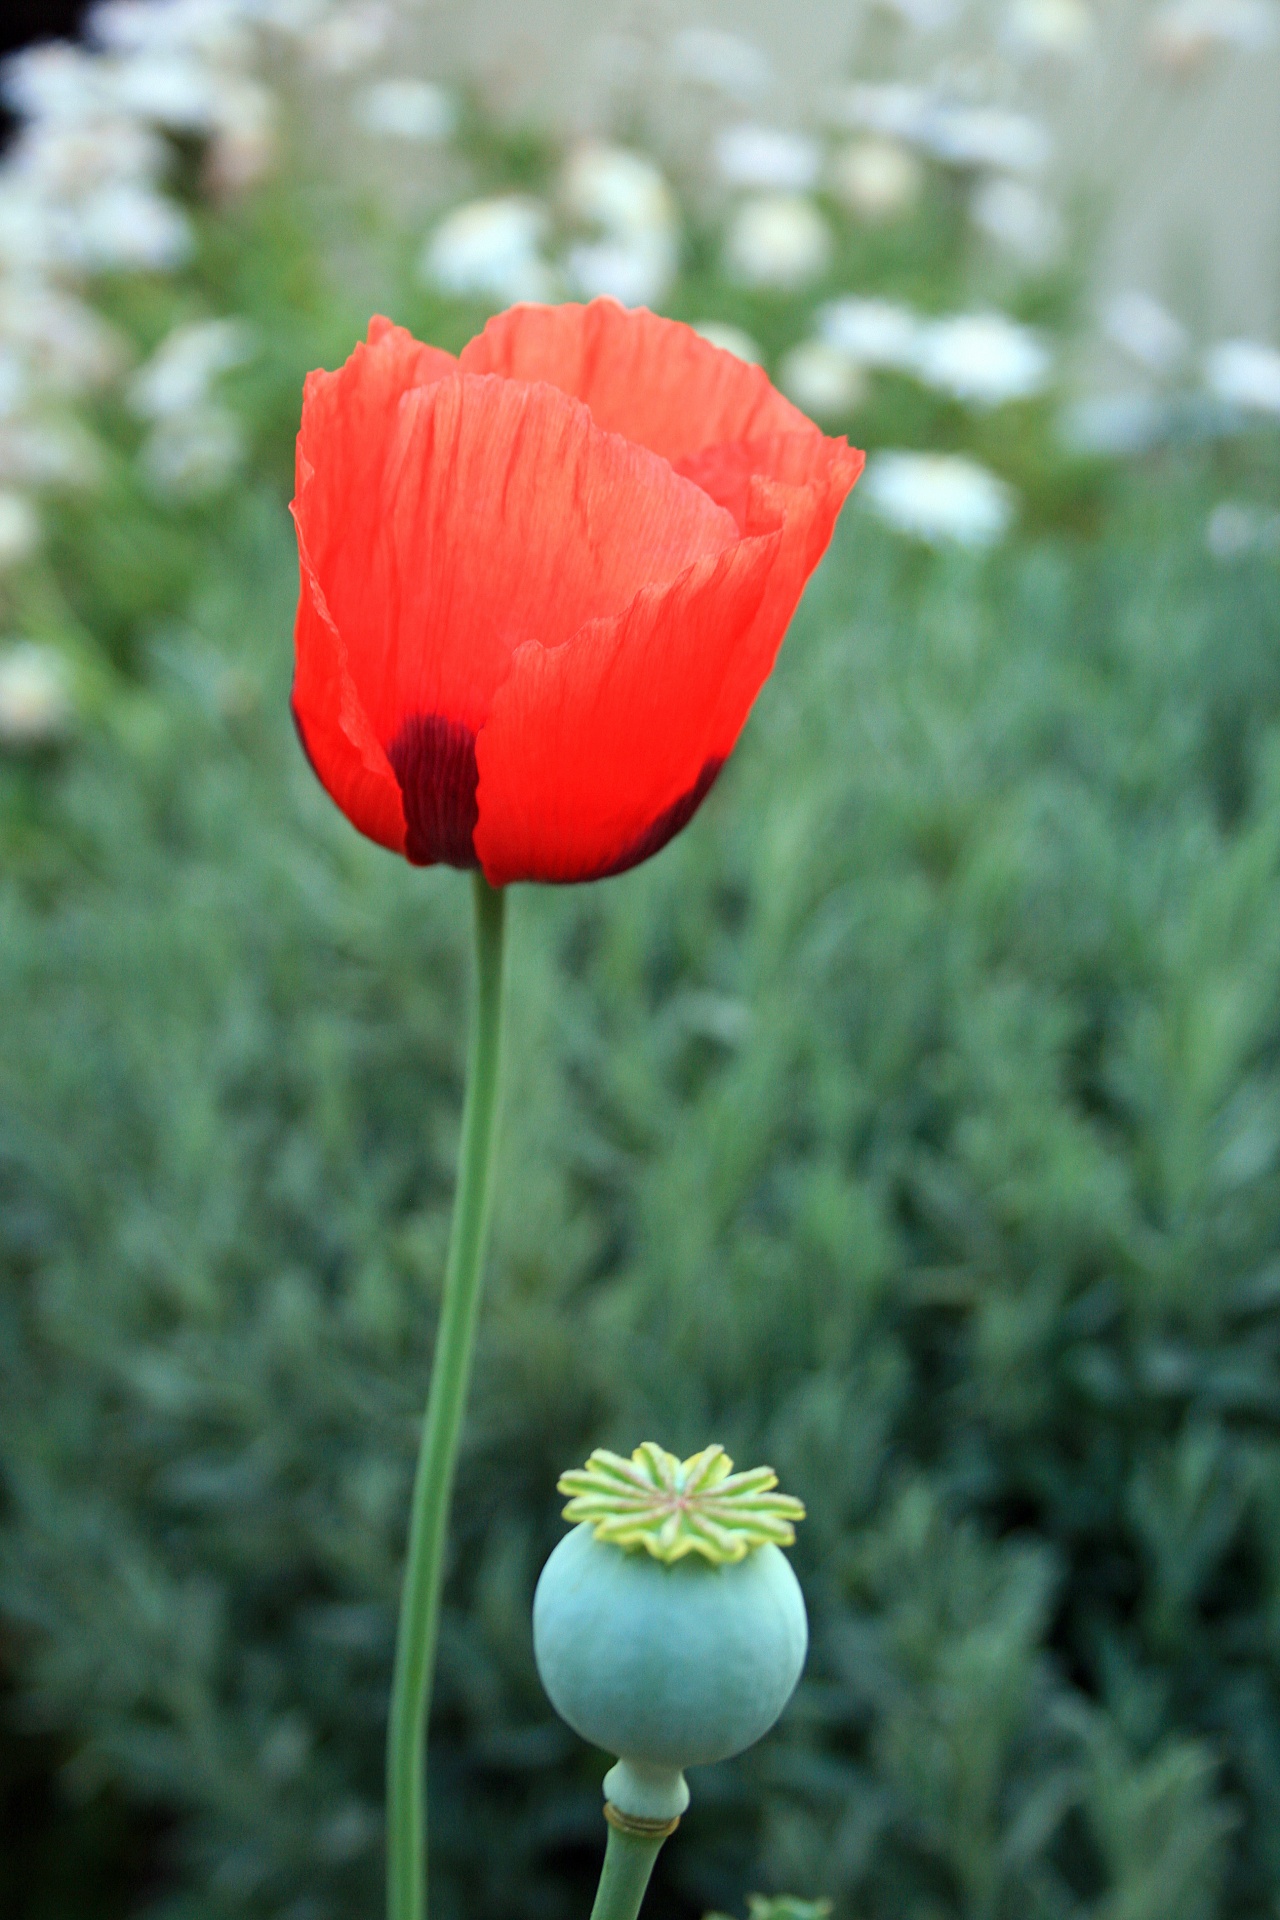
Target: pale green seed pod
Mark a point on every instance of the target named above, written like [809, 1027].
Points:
[678, 1637]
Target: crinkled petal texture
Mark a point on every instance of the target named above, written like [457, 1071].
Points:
[542, 584]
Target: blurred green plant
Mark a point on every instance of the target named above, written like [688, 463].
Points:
[913, 1123]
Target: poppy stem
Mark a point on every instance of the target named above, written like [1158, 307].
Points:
[437, 1457]
[629, 1858]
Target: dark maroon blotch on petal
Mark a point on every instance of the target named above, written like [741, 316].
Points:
[434, 759]
[666, 826]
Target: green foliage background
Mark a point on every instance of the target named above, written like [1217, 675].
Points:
[912, 1123]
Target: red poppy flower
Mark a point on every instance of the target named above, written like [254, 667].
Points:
[543, 583]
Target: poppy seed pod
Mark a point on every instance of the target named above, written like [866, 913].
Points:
[668, 1627]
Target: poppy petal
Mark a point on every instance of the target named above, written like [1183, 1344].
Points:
[799, 482]
[591, 745]
[501, 513]
[345, 418]
[334, 728]
[655, 381]
[597, 752]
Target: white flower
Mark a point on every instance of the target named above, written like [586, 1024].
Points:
[15, 384]
[19, 529]
[636, 270]
[27, 243]
[626, 197]
[722, 61]
[44, 452]
[1244, 374]
[988, 137]
[193, 453]
[617, 190]
[243, 144]
[1146, 331]
[172, 90]
[35, 695]
[730, 339]
[1185, 32]
[1235, 529]
[875, 333]
[297, 19]
[877, 179]
[490, 249]
[925, 16]
[209, 27]
[983, 358]
[1113, 425]
[1050, 29]
[777, 240]
[751, 156]
[940, 498]
[407, 110]
[180, 373]
[350, 36]
[63, 343]
[1019, 219]
[67, 162]
[820, 379]
[55, 82]
[888, 107]
[127, 226]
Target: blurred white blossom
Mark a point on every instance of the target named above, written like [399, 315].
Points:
[754, 156]
[491, 250]
[1235, 529]
[193, 453]
[170, 90]
[57, 83]
[889, 107]
[1185, 32]
[1244, 374]
[1145, 331]
[19, 528]
[957, 132]
[925, 16]
[724, 62]
[349, 37]
[616, 189]
[821, 380]
[1113, 425]
[877, 179]
[61, 344]
[66, 161]
[1050, 29]
[48, 450]
[731, 339]
[874, 333]
[214, 28]
[940, 498]
[636, 270]
[36, 707]
[406, 110]
[195, 444]
[180, 373]
[625, 197]
[243, 145]
[777, 240]
[128, 226]
[1018, 218]
[984, 359]
[994, 137]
